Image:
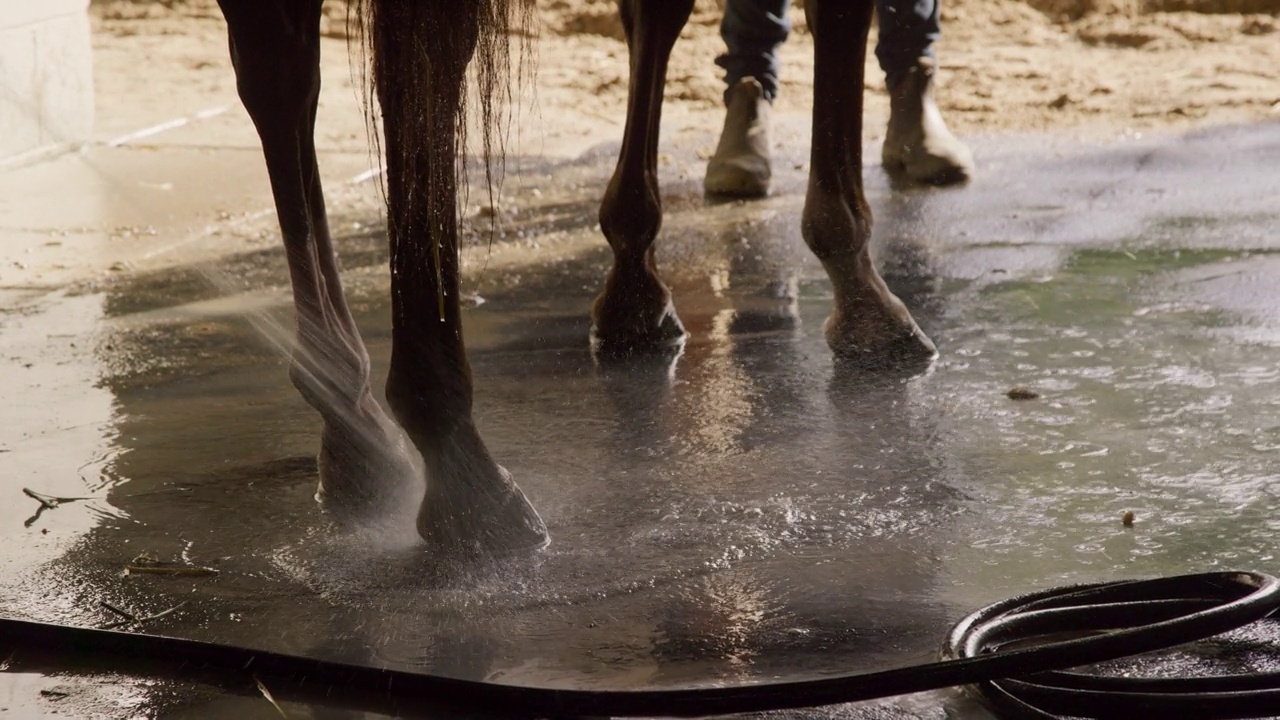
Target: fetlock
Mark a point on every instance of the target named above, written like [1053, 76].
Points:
[741, 164]
[918, 147]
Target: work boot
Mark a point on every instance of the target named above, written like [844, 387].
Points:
[740, 167]
[918, 146]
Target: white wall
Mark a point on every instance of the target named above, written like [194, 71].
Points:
[46, 74]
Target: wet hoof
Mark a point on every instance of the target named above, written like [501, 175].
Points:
[473, 510]
[869, 325]
[497, 523]
[663, 339]
[635, 316]
[887, 346]
[367, 468]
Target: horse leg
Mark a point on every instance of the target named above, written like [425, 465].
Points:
[634, 312]
[275, 48]
[420, 55]
[868, 323]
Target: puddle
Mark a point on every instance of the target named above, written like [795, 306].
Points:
[748, 512]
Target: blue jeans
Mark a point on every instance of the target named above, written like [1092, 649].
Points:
[753, 30]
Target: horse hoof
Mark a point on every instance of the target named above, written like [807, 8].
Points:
[664, 338]
[473, 509]
[893, 348]
[498, 523]
[634, 315]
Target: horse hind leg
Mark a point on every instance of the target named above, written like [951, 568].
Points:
[421, 51]
[868, 324]
[634, 311]
[276, 53]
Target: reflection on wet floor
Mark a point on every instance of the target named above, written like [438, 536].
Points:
[747, 509]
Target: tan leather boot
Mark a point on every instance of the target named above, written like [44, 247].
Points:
[740, 167]
[918, 146]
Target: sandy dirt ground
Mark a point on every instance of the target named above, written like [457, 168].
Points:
[1006, 64]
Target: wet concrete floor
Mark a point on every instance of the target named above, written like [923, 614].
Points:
[746, 512]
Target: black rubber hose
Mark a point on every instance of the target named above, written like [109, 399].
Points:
[1016, 638]
[1173, 609]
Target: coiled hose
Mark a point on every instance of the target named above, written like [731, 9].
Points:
[1011, 651]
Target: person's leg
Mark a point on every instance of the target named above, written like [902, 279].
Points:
[918, 146]
[908, 30]
[753, 30]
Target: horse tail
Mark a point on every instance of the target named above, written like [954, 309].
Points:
[427, 62]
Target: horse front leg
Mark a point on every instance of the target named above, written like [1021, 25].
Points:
[634, 311]
[275, 48]
[472, 508]
[869, 323]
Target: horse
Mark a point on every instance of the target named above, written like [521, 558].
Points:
[419, 53]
